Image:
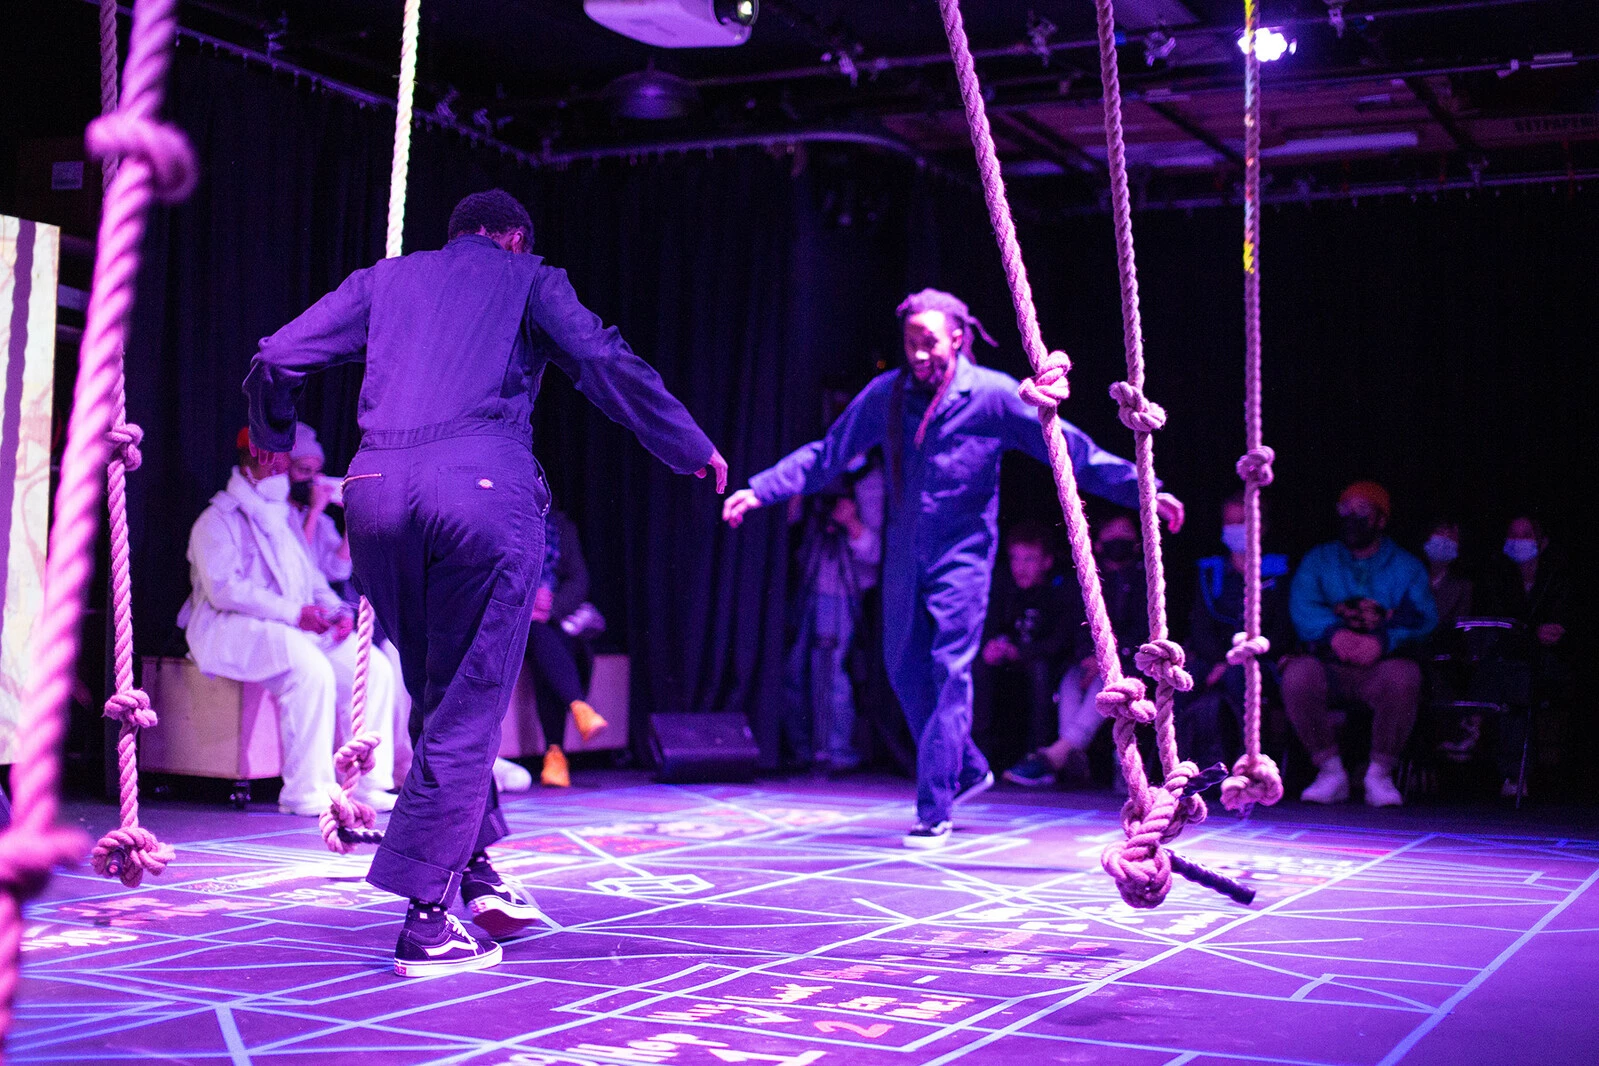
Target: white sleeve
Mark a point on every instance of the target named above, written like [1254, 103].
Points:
[218, 573]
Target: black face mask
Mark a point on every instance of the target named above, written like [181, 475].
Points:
[1357, 531]
[1118, 550]
[300, 492]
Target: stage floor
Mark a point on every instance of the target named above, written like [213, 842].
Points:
[784, 924]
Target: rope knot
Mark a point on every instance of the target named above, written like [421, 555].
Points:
[344, 813]
[27, 856]
[132, 706]
[357, 756]
[1048, 387]
[1164, 660]
[1255, 466]
[1139, 865]
[125, 439]
[164, 148]
[1191, 808]
[129, 853]
[1246, 647]
[1255, 780]
[1138, 412]
[1126, 698]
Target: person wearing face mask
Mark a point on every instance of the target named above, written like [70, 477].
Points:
[262, 611]
[1451, 590]
[310, 495]
[1362, 606]
[1119, 552]
[446, 507]
[943, 423]
[1529, 582]
[1208, 717]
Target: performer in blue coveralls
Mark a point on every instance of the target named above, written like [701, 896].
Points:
[446, 506]
[944, 423]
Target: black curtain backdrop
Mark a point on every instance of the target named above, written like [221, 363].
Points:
[1442, 348]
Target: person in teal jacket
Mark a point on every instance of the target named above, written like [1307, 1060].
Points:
[1362, 606]
[944, 423]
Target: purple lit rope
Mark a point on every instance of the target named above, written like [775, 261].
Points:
[1255, 778]
[356, 757]
[129, 851]
[1141, 866]
[1161, 657]
[155, 162]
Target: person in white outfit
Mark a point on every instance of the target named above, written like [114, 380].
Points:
[261, 611]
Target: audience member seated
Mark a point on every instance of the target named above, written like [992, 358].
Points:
[838, 558]
[1451, 590]
[1362, 607]
[310, 495]
[554, 652]
[1529, 583]
[1121, 571]
[1032, 622]
[1209, 718]
[261, 611]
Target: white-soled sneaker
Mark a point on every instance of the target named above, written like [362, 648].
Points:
[455, 951]
[1381, 790]
[500, 908]
[1331, 784]
[973, 790]
[927, 837]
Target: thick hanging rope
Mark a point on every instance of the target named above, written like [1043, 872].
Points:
[1154, 815]
[1161, 658]
[130, 851]
[345, 822]
[348, 822]
[1255, 778]
[400, 173]
[156, 162]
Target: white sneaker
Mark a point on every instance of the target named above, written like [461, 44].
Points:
[1380, 788]
[1331, 784]
[509, 777]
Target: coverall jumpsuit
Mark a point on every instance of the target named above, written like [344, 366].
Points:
[939, 542]
[445, 502]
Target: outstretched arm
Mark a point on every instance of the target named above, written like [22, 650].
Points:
[814, 466]
[330, 332]
[606, 370]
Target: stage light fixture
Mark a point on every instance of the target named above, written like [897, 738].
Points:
[678, 23]
[1270, 44]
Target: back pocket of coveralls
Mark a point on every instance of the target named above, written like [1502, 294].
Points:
[488, 514]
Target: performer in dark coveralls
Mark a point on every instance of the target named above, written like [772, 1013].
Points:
[446, 506]
[944, 422]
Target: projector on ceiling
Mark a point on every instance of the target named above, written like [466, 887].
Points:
[678, 23]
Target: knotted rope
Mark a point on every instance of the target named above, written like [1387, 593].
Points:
[132, 851]
[1153, 814]
[346, 816]
[1255, 778]
[156, 162]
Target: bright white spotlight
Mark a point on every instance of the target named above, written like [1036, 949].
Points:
[1270, 45]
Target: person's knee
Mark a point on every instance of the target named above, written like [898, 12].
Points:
[1399, 680]
[1303, 678]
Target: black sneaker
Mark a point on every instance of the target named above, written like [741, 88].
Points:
[926, 836]
[498, 907]
[1032, 772]
[454, 951]
[976, 788]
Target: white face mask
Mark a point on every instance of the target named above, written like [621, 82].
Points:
[1521, 549]
[274, 489]
[1440, 549]
[1234, 536]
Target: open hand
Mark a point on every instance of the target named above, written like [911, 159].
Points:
[719, 465]
[738, 505]
[1171, 511]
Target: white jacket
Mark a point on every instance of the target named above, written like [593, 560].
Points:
[250, 584]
